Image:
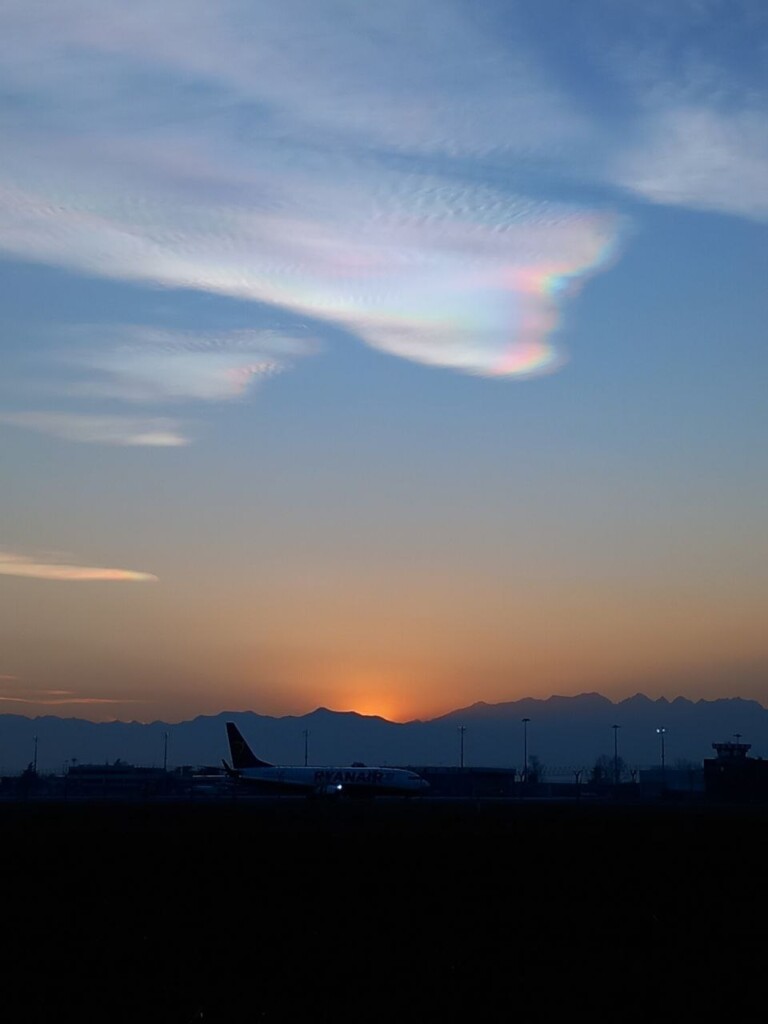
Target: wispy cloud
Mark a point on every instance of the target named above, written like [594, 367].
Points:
[52, 701]
[410, 78]
[329, 163]
[698, 132]
[12, 564]
[45, 697]
[703, 159]
[147, 364]
[127, 431]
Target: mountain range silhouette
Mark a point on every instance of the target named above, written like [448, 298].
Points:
[562, 732]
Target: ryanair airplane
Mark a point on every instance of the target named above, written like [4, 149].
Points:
[353, 781]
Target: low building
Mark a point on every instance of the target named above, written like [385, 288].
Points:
[118, 779]
[657, 780]
[469, 782]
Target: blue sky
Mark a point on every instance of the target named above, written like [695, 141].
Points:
[381, 357]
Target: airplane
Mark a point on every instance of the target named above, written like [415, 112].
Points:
[357, 780]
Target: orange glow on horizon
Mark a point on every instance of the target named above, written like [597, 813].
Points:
[374, 692]
[381, 705]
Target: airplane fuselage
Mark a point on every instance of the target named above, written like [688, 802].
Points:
[336, 779]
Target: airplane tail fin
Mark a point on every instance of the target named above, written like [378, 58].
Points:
[241, 753]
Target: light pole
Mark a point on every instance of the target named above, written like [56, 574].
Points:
[306, 747]
[525, 748]
[662, 732]
[165, 751]
[34, 762]
[616, 754]
[462, 730]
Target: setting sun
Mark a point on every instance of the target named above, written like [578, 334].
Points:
[371, 692]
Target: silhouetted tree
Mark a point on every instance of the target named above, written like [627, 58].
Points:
[605, 768]
[535, 769]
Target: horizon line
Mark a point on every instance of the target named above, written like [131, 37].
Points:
[410, 721]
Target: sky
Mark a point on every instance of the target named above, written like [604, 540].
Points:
[381, 357]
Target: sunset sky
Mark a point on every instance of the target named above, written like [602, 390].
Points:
[386, 357]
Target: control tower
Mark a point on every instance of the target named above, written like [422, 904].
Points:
[734, 776]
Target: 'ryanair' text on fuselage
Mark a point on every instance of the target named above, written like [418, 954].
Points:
[351, 776]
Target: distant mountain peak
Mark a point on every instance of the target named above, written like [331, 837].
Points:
[324, 712]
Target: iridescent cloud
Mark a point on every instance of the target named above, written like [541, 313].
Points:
[21, 565]
[334, 163]
[450, 276]
[303, 206]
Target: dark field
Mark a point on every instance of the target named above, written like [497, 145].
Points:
[303, 911]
